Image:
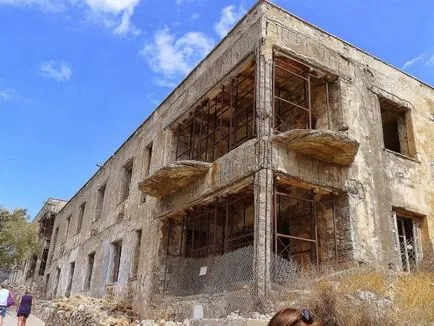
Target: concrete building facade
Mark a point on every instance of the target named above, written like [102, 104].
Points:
[284, 139]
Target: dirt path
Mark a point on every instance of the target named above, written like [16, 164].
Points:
[11, 319]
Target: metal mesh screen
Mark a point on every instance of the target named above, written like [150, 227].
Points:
[225, 284]
[211, 275]
[408, 255]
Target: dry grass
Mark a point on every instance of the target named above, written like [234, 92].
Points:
[335, 309]
[369, 280]
[336, 304]
[414, 298]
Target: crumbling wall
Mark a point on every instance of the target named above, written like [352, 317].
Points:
[366, 191]
[121, 217]
[375, 182]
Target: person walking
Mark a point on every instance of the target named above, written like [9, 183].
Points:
[4, 302]
[24, 308]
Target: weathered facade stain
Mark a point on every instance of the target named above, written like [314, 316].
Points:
[370, 195]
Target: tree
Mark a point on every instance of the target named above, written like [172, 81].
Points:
[18, 238]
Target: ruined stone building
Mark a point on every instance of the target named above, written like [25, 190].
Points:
[284, 144]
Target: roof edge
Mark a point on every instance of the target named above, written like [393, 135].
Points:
[347, 43]
[257, 4]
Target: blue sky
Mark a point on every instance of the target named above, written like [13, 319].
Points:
[77, 77]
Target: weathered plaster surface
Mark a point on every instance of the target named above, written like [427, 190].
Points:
[365, 191]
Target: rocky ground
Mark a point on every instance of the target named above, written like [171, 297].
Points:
[357, 298]
[84, 311]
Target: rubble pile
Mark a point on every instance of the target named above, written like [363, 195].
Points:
[83, 311]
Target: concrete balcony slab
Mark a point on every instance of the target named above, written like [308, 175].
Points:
[324, 145]
[172, 177]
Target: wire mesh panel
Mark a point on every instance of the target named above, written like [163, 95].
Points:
[211, 249]
[231, 271]
[407, 245]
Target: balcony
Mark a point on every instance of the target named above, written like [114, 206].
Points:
[173, 177]
[324, 145]
[306, 110]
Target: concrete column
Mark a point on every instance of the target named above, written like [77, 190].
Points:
[263, 230]
[264, 176]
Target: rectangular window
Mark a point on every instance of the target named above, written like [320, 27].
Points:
[71, 277]
[148, 158]
[396, 127]
[136, 259]
[32, 268]
[47, 281]
[56, 233]
[146, 167]
[58, 270]
[43, 262]
[100, 201]
[90, 263]
[80, 217]
[127, 177]
[68, 222]
[116, 262]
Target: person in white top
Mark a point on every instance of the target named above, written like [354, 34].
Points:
[4, 294]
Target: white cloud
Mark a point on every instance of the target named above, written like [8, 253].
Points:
[164, 82]
[114, 14]
[58, 70]
[112, 6]
[6, 94]
[412, 61]
[195, 16]
[229, 16]
[423, 58]
[125, 27]
[430, 61]
[47, 5]
[180, 2]
[171, 57]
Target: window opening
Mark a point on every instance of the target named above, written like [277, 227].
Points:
[395, 128]
[147, 167]
[58, 270]
[301, 96]
[100, 201]
[220, 227]
[407, 245]
[68, 222]
[43, 262]
[46, 227]
[127, 178]
[210, 235]
[90, 263]
[47, 281]
[56, 232]
[305, 224]
[71, 276]
[80, 217]
[32, 267]
[55, 235]
[117, 250]
[136, 258]
[222, 122]
[295, 226]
